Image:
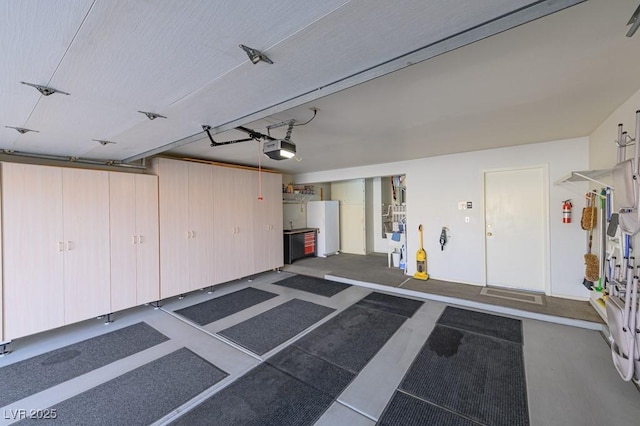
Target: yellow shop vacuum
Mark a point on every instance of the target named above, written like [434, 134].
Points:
[421, 261]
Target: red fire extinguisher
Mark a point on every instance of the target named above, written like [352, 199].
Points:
[566, 211]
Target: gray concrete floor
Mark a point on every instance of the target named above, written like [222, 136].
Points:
[570, 377]
[373, 268]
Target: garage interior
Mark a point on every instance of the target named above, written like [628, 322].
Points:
[214, 213]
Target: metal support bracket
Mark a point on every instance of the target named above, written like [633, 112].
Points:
[107, 319]
[3, 348]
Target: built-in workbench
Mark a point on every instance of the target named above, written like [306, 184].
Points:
[299, 243]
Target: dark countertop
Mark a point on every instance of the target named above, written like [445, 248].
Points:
[298, 231]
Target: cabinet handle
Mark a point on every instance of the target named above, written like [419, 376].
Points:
[233, 230]
[133, 239]
[268, 227]
[193, 234]
[237, 230]
[69, 245]
[60, 246]
[188, 234]
[140, 239]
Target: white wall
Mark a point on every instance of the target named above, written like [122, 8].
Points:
[436, 185]
[294, 214]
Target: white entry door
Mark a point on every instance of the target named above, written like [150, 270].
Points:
[515, 228]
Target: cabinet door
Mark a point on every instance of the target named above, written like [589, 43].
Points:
[122, 199]
[245, 194]
[224, 223]
[85, 195]
[234, 192]
[268, 242]
[276, 251]
[135, 269]
[173, 184]
[148, 254]
[33, 256]
[201, 219]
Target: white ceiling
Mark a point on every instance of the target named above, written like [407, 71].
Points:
[556, 77]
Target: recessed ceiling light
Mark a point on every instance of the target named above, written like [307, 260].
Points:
[152, 115]
[21, 130]
[45, 90]
[255, 55]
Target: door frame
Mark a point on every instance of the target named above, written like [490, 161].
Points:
[546, 257]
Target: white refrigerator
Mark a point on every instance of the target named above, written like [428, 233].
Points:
[325, 215]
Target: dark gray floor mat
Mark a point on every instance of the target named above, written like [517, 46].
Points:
[263, 396]
[312, 370]
[351, 338]
[223, 306]
[479, 322]
[41, 372]
[392, 304]
[143, 395]
[478, 377]
[313, 285]
[269, 329]
[405, 410]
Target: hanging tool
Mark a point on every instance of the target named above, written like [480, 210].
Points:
[443, 238]
[592, 272]
[603, 244]
[421, 261]
[589, 212]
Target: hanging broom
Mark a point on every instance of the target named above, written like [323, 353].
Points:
[589, 213]
[592, 271]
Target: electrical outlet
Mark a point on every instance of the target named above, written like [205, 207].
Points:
[467, 219]
[462, 205]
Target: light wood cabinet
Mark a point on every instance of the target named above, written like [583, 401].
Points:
[212, 229]
[173, 182]
[135, 249]
[81, 243]
[234, 191]
[85, 195]
[186, 226]
[56, 246]
[201, 226]
[33, 249]
[267, 217]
